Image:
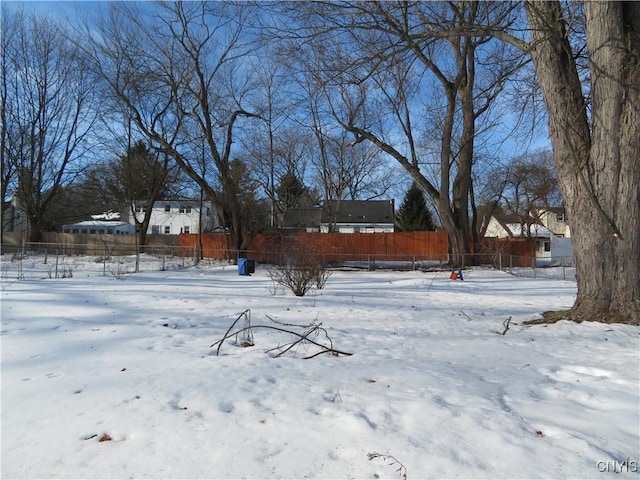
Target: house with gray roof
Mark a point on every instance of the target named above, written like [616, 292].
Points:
[344, 216]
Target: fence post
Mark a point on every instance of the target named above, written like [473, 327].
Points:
[56, 275]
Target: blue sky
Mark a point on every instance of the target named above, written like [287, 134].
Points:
[64, 10]
[73, 11]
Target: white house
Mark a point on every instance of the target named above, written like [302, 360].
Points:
[555, 219]
[14, 217]
[172, 217]
[548, 244]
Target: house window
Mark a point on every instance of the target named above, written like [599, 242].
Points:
[75, 230]
[167, 208]
[155, 229]
[167, 229]
[186, 229]
[547, 246]
[561, 217]
[92, 230]
[185, 209]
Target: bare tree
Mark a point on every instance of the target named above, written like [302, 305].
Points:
[354, 172]
[587, 62]
[596, 140]
[276, 150]
[141, 177]
[178, 68]
[340, 170]
[524, 187]
[379, 61]
[48, 110]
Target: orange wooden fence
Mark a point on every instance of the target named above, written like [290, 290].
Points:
[340, 247]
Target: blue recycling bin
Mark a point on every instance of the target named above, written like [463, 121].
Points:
[246, 266]
[242, 266]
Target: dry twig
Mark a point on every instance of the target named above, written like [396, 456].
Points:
[505, 324]
[402, 470]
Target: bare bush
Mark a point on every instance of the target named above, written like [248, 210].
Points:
[299, 269]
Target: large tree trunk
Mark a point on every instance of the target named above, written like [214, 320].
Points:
[597, 155]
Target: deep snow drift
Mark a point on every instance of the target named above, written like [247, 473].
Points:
[433, 389]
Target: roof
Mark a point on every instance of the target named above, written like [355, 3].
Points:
[302, 217]
[359, 211]
[96, 223]
[536, 230]
[551, 209]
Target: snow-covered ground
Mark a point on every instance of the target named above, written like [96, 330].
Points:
[433, 389]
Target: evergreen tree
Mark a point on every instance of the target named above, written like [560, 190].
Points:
[414, 215]
[291, 191]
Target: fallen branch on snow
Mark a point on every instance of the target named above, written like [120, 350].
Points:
[309, 332]
[402, 470]
[505, 324]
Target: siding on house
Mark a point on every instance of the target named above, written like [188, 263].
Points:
[172, 217]
[14, 218]
[555, 219]
[548, 244]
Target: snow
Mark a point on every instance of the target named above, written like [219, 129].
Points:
[433, 389]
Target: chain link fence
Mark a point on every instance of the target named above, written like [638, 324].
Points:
[65, 260]
[48, 260]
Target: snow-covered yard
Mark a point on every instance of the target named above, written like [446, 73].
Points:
[433, 389]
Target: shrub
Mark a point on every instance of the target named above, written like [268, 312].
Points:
[299, 269]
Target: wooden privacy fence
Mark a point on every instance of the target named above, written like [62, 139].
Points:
[268, 247]
[334, 247]
[341, 247]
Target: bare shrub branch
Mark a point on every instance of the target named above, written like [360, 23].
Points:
[309, 335]
[299, 269]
